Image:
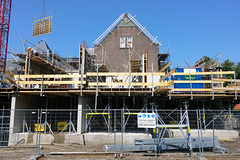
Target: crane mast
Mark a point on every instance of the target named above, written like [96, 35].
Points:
[5, 12]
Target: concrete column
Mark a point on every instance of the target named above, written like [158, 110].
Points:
[12, 117]
[81, 113]
[16, 117]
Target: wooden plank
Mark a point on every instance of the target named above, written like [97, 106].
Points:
[10, 80]
[4, 81]
[127, 84]
[9, 73]
[116, 74]
[193, 89]
[162, 90]
[206, 94]
[226, 88]
[238, 91]
[233, 84]
[154, 73]
[204, 89]
[168, 84]
[188, 64]
[226, 80]
[50, 76]
[205, 73]
[165, 67]
[51, 82]
[195, 81]
[199, 62]
[168, 74]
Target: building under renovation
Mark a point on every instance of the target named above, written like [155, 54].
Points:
[125, 72]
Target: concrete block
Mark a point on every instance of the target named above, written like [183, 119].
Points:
[103, 138]
[70, 138]
[15, 138]
[221, 134]
[108, 138]
[59, 138]
[45, 138]
[24, 136]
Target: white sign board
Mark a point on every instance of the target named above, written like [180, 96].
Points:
[146, 120]
[189, 70]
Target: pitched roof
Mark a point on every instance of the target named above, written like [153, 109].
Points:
[42, 47]
[125, 20]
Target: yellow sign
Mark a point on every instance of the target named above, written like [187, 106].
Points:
[37, 127]
[61, 126]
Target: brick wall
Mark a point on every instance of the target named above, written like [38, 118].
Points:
[118, 57]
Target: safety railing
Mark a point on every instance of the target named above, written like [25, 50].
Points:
[49, 81]
[5, 140]
[116, 122]
[152, 82]
[102, 120]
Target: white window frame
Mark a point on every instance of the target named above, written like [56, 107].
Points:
[129, 41]
[122, 42]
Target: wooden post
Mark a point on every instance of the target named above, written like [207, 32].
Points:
[143, 69]
[79, 60]
[190, 78]
[27, 64]
[152, 82]
[212, 86]
[129, 76]
[235, 87]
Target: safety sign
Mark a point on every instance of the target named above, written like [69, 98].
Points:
[146, 120]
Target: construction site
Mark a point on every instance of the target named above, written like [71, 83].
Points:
[120, 98]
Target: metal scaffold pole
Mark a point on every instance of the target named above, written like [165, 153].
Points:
[199, 126]
[46, 124]
[96, 96]
[204, 117]
[25, 124]
[39, 128]
[115, 130]
[70, 125]
[129, 76]
[109, 114]
[152, 82]
[123, 115]
[122, 130]
[230, 117]
[188, 129]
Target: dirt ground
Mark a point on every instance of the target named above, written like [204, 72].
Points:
[96, 152]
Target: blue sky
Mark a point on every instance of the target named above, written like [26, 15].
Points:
[194, 28]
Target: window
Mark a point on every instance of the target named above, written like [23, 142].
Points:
[129, 41]
[122, 42]
[126, 42]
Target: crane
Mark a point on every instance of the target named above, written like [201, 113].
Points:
[5, 13]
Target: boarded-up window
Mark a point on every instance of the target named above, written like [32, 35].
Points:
[130, 41]
[122, 42]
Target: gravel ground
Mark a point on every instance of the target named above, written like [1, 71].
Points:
[96, 152]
